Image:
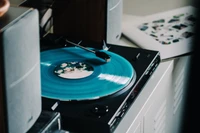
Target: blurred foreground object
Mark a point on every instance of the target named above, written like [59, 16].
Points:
[4, 5]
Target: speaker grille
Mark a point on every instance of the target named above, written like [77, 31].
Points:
[20, 63]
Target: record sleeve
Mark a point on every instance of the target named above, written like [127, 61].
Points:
[170, 32]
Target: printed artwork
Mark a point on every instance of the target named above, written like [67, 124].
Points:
[172, 29]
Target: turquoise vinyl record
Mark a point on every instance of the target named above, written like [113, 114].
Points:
[72, 73]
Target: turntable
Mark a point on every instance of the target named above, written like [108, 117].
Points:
[91, 94]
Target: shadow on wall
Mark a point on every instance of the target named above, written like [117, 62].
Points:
[147, 7]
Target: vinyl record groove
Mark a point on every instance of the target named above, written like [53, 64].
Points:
[72, 73]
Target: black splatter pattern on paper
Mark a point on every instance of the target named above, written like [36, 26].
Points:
[171, 30]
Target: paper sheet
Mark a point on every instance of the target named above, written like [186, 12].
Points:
[171, 32]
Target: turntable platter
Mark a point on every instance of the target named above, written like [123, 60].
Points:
[71, 73]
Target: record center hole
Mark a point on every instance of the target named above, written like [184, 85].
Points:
[73, 70]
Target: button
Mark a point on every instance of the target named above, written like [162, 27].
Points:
[100, 110]
[148, 55]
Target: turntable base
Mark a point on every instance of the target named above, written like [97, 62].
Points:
[103, 115]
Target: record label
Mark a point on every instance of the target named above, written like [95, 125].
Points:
[73, 70]
[72, 73]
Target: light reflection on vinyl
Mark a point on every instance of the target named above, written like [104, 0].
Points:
[72, 73]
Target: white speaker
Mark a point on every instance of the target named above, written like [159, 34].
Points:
[20, 87]
[114, 20]
[93, 20]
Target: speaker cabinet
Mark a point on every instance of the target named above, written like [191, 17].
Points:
[93, 20]
[20, 87]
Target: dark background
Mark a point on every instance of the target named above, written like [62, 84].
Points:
[191, 118]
